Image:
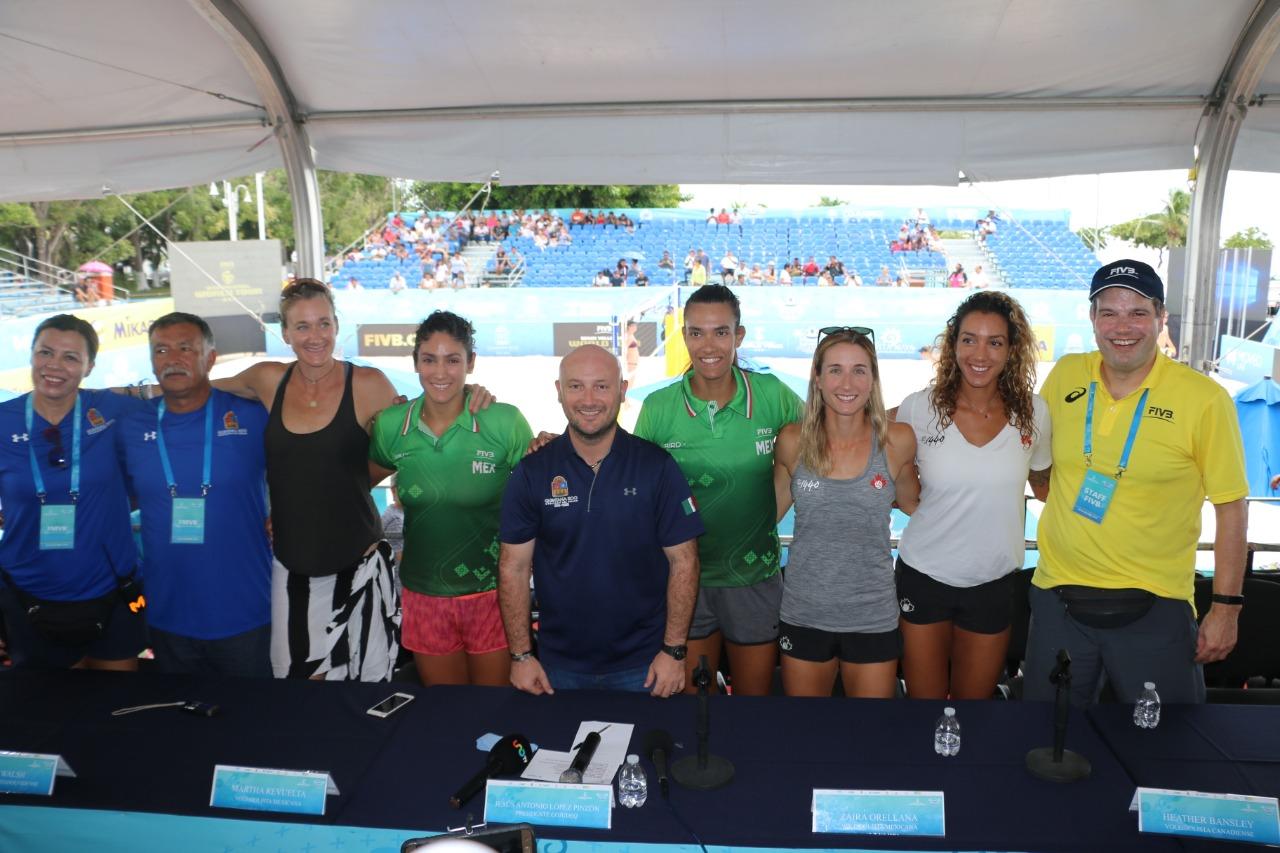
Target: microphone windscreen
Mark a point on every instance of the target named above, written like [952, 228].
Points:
[658, 739]
[512, 753]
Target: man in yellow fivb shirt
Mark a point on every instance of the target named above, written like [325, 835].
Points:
[1139, 442]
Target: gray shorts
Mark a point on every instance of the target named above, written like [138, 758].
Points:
[747, 615]
[1159, 646]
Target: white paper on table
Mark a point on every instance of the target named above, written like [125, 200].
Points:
[547, 765]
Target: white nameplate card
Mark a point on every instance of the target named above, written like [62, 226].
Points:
[261, 789]
[548, 804]
[879, 812]
[1228, 817]
[31, 772]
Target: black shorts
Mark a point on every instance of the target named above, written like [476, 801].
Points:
[983, 609]
[818, 646]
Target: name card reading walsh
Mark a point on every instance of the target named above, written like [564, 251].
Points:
[31, 772]
[879, 812]
[264, 790]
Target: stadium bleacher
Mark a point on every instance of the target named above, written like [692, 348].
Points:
[20, 296]
[1027, 252]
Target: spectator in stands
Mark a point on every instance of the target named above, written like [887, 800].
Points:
[577, 218]
[902, 280]
[666, 263]
[86, 292]
[706, 260]
[723, 218]
[982, 434]
[698, 275]
[719, 422]
[958, 277]
[810, 269]
[784, 276]
[501, 263]
[711, 216]
[611, 220]
[852, 279]
[834, 268]
[602, 279]
[755, 277]
[884, 279]
[689, 260]
[770, 276]
[642, 277]
[729, 266]
[979, 280]
[741, 280]
[396, 283]
[353, 283]
[842, 467]
[443, 273]
[428, 280]
[459, 269]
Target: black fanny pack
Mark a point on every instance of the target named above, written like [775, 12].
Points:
[1105, 608]
[77, 623]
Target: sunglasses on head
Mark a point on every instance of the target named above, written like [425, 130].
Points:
[866, 331]
[57, 456]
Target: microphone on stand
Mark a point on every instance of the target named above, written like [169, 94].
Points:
[658, 746]
[509, 755]
[703, 771]
[1055, 763]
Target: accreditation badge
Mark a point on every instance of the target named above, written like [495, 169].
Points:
[57, 527]
[188, 522]
[1095, 496]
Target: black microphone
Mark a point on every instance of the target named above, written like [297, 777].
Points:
[658, 746]
[509, 755]
[586, 751]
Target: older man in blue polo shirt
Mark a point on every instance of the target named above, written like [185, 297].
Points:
[606, 524]
[197, 467]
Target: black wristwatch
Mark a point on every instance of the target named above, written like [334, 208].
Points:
[521, 657]
[677, 652]
[1219, 598]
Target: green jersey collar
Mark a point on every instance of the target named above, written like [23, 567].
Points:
[743, 401]
[465, 419]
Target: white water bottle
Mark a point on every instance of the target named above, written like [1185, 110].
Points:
[946, 734]
[1146, 711]
[633, 785]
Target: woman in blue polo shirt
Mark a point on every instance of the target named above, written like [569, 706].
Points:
[67, 544]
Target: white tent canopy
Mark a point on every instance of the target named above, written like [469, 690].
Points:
[135, 95]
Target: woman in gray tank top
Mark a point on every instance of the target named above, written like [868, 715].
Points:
[843, 467]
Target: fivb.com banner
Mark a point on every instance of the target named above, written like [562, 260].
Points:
[780, 321]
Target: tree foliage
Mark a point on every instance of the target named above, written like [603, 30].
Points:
[1250, 238]
[1163, 229]
[1094, 238]
[453, 196]
[828, 201]
[69, 233]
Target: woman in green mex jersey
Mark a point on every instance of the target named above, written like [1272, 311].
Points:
[451, 469]
[720, 423]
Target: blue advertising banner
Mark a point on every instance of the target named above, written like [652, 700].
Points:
[780, 321]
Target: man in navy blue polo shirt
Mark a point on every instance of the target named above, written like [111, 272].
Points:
[197, 467]
[606, 524]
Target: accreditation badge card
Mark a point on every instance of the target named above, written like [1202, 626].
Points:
[31, 772]
[265, 790]
[1228, 817]
[879, 812]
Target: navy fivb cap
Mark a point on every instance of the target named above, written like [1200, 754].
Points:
[1134, 275]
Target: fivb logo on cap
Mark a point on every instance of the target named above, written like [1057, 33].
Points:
[1131, 275]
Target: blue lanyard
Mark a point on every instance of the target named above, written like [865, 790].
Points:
[75, 451]
[1128, 442]
[206, 481]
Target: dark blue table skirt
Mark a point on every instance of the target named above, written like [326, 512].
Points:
[399, 772]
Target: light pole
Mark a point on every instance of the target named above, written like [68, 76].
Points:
[231, 200]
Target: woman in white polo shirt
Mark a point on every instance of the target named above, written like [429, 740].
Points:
[981, 434]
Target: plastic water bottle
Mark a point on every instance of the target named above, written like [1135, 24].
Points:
[946, 734]
[1146, 711]
[633, 785]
